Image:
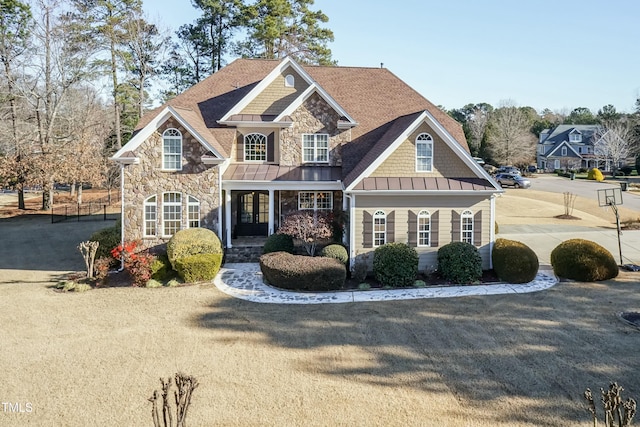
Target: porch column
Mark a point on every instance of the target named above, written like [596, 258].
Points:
[227, 216]
[271, 212]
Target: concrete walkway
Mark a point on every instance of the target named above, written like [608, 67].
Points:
[245, 281]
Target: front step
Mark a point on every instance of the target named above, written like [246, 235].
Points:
[243, 254]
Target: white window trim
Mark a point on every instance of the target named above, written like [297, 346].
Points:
[383, 216]
[556, 164]
[429, 142]
[466, 215]
[575, 137]
[315, 200]
[150, 204]
[191, 202]
[164, 220]
[422, 215]
[563, 151]
[315, 147]
[266, 147]
[164, 135]
[289, 81]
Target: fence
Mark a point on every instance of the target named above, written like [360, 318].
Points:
[93, 210]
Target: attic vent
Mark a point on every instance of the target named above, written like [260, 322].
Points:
[289, 81]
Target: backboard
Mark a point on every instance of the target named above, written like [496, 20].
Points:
[609, 196]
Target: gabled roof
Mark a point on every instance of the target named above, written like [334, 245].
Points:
[558, 146]
[374, 98]
[561, 133]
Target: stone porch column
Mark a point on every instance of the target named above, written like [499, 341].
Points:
[227, 216]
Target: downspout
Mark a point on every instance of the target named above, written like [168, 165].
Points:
[492, 232]
[220, 200]
[352, 230]
[121, 214]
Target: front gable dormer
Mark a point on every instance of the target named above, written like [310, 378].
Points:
[575, 136]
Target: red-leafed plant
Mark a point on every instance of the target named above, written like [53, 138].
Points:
[307, 226]
[137, 263]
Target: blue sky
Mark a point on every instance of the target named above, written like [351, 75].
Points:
[558, 54]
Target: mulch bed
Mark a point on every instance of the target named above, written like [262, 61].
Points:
[489, 277]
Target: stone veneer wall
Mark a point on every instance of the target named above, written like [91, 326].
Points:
[313, 116]
[147, 178]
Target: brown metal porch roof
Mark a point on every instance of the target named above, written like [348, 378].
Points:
[249, 172]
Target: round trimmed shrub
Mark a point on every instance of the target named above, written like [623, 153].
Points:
[278, 243]
[460, 262]
[583, 260]
[302, 273]
[198, 267]
[395, 264]
[160, 267]
[192, 241]
[595, 174]
[338, 252]
[514, 262]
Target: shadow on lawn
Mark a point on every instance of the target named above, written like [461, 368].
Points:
[543, 349]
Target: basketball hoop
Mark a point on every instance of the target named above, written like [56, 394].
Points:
[612, 197]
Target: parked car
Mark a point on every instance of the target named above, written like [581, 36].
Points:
[513, 179]
[480, 160]
[509, 169]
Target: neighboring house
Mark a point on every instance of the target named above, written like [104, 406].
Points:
[569, 147]
[259, 139]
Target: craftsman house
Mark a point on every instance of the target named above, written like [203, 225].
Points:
[259, 139]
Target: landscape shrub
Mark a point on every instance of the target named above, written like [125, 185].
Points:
[514, 262]
[338, 252]
[198, 267]
[360, 268]
[626, 169]
[137, 263]
[595, 174]
[395, 264]
[278, 243]
[302, 273]
[192, 241]
[161, 267]
[108, 238]
[583, 260]
[460, 262]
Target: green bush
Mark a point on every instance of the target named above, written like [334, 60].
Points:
[161, 268]
[338, 252]
[583, 260]
[595, 174]
[192, 241]
[460, 262]
[108, 238]
[198, 267]
[395, 264]
[514, 262]
[278, 243]
[302, 273]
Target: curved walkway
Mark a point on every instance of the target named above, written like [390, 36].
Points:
[245, 281]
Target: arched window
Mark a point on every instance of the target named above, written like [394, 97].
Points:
[289, 81]
[379, 228]
[255, 147]
[150, 216]
[193, 212]
[563, 151]
[172, 149]
[466, 226]
[171, 213]
[424, 153]
[424, 228]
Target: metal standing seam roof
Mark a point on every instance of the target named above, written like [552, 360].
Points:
[424, 184]
[261, 172]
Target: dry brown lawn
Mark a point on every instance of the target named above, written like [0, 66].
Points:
[93, 359]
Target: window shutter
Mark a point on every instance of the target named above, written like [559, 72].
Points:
[477, 229]
[391, 233]
[435, 227]
[367, 230]
[455, 226]
[270, 147]
[240, 152]
[412, 238]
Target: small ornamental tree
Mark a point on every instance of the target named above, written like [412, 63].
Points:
[307, 226]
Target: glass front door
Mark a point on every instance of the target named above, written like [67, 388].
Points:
[253, 213]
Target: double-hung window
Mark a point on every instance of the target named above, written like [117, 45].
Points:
[466, 226]
[315, 148]
[193, 212]
[171, 213]
[150, 216]
[172, 149]
[315, 200]
[424, 153]
[379, 228]
[424, 228]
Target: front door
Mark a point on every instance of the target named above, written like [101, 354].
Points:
[253, 213]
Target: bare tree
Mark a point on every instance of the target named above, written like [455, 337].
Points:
[509, 135]
[614, 142]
